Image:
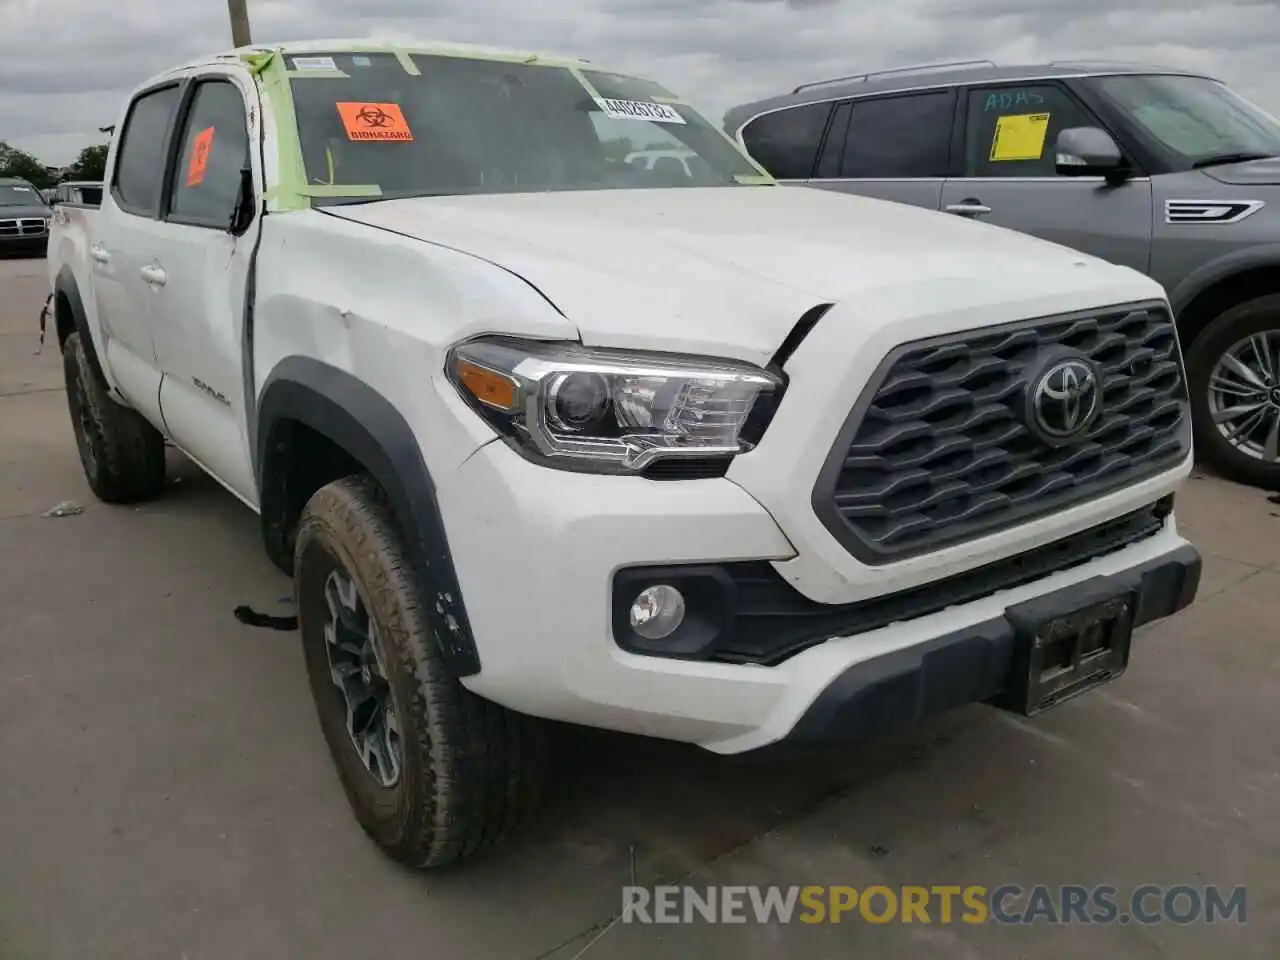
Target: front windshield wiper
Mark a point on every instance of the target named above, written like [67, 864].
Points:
[1219, 159]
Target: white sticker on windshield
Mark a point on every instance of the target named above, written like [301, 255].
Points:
[22, 189]
[314, 63]
[639, 110]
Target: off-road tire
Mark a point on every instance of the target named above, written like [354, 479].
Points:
[122, 454]
[471, 771]
[1227, 329]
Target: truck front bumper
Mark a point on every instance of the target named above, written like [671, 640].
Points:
[879, 696]
[539, 554]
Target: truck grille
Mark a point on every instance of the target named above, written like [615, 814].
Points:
[949, 442]
[26, 227]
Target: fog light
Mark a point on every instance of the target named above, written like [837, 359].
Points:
[657, 612]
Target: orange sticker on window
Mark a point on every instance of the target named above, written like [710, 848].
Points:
[374, 121]
[199, 162]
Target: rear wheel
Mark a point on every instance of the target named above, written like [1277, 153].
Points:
[1233, 371]
[122, 454]
[433, 773]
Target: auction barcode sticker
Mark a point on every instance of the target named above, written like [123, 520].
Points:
[639, 110]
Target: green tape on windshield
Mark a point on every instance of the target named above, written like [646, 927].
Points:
[342, 190]
[291, 176]
[755, 181]
[257, 61]
[587, 84]
[406, 61]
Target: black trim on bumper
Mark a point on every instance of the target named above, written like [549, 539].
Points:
[745, 612]
[879, 696]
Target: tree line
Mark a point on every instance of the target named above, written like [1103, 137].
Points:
[90, 165]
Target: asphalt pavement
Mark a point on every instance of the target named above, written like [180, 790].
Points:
[165, 791]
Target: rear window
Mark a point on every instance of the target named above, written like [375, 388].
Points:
[786, 142]
[463, 126]
[140, 167]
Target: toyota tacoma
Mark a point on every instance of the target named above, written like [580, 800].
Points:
[543, 435]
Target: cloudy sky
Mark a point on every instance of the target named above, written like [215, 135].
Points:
[64, 64]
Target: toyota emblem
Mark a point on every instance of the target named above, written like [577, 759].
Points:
[1065, 399]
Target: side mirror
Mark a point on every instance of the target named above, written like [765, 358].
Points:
[245, 209]
[1089, 152]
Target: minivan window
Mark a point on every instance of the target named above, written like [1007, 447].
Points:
[899, 137]
[143, 145]
[785, 142]
[463, 126]
[1195, 118]
[1011, 130]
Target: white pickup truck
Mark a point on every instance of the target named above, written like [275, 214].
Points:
[541, 434]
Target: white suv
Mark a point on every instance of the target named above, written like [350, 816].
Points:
[540, 437]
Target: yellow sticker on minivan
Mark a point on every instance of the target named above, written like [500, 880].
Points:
[1020, 136]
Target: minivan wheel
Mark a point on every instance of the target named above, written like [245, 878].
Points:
[1233, 371]
[433, 773]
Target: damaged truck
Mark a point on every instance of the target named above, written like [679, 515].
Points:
[669, 449]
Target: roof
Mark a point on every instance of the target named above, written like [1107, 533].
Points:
[366, 45]
[14, 182]
[936, 75]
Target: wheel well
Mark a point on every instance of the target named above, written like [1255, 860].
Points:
[1223, 295]
[64, 317]
[299, 461]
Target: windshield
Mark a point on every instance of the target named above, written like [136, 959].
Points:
[15, 195]
[1197, 119]
[464, 126]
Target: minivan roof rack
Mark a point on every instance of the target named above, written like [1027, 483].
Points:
[1097, 61]
[917, 68]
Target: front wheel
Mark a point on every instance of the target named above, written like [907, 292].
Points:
[1233, 372]
[433, 773]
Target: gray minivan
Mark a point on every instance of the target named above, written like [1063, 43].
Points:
[1166, 171]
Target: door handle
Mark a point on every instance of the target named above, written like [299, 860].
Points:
[99, 254]
[153, 274]
[969, 208]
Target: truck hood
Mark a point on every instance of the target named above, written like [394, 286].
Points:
[1251, 173]
[729, 269]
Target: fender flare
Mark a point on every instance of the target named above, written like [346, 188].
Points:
[65, 286]
[367, 426]
[1203, 277]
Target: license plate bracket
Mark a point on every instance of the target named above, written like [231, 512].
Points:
[1058, 655]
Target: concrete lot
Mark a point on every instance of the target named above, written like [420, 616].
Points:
[165, 792]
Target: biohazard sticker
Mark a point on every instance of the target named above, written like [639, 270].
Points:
[199, 161]
[374, 121]
[639, 110]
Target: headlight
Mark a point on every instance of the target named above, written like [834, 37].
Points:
[610, 411]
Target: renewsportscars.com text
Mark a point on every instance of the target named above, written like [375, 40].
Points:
[1005, 904]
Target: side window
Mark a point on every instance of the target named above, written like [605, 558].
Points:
[786, 142]
[143, 146]
[893, 137]
[215, 148]
[833, 148]
[1010, 131]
